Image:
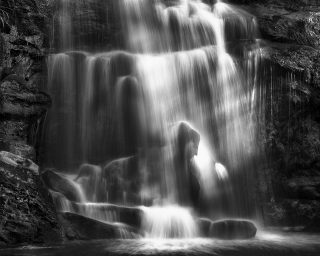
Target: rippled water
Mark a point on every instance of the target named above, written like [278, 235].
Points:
[271, 244]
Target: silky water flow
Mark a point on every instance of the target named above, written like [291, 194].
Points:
[168, 124]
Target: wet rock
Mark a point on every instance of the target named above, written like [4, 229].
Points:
[77, 227]
[18, 148]
[89, 177]
[58, 183]
[299, 59]
[204, 226]
[128, 215]
[291, 31]
[88, 170]
[187, 143]
[303, 188]
[232, 229]
[123, 180]
[18, 101]
[188, 140]
[95, 24]
[27, 211]
[290, 212]
[18, 162]
[283, 25]
[22, 74]
[226, 229]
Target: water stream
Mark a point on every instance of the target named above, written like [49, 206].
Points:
[168, 123]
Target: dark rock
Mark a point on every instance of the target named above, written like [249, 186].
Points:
[226, 229]
[303, 188]
[27, 211]
[123, 180]
[18, 101]
[88, 170]
[18, 148]
[89, 176]
[232, 229]
[22, 74]
[26, 16]
[187, 143]
[291, 27]
[131, 216]
[95, 25]
[299, 59]
[77, 227]
[58, 183]
[290, 212]
[204, 226]
[18, 162]
[188, 140]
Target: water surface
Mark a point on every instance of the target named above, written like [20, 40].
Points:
[271, 244]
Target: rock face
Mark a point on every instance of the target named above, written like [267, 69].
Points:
[227, 229]
[128, 215]
[27, 211]
[22, 74]
[289, 180]
[82, 228]
[92, 24]
[232, 229]
[58, 183]
[123, 180]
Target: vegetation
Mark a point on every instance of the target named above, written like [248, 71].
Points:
[4, 16]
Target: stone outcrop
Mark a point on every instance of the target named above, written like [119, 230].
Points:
[26, 209]
[77, 227]
[130, 216]
[93, 25]
[289, 181]
[22, 74]
[227, 229]
[58, 183]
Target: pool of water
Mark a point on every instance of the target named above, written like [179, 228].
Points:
[266, 244]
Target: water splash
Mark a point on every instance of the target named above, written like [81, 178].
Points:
[168, 222]
[177, 65]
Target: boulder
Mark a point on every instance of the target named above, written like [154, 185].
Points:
[89, 177]
[232, 229]
[188, 140]
[290, 33]
[18, 101]
[123, 180]
[204, 225]
[88, 170]
[27, 211]
[77, 227]
[16, 161]
[18, 148]
[58, 183]
[186, 147]
[22, 105]
[95, 24]
[303, 188]
[128, 215]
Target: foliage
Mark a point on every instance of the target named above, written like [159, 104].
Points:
[4, 16]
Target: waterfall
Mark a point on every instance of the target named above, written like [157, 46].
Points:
[172, 110]
[169, 222]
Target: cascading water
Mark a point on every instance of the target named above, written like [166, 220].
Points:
[155, 118]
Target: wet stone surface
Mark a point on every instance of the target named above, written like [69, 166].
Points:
[265, 244]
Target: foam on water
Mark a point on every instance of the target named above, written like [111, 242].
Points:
[168, 222]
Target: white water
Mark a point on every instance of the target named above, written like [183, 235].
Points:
[176, 68]
[168, 222]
